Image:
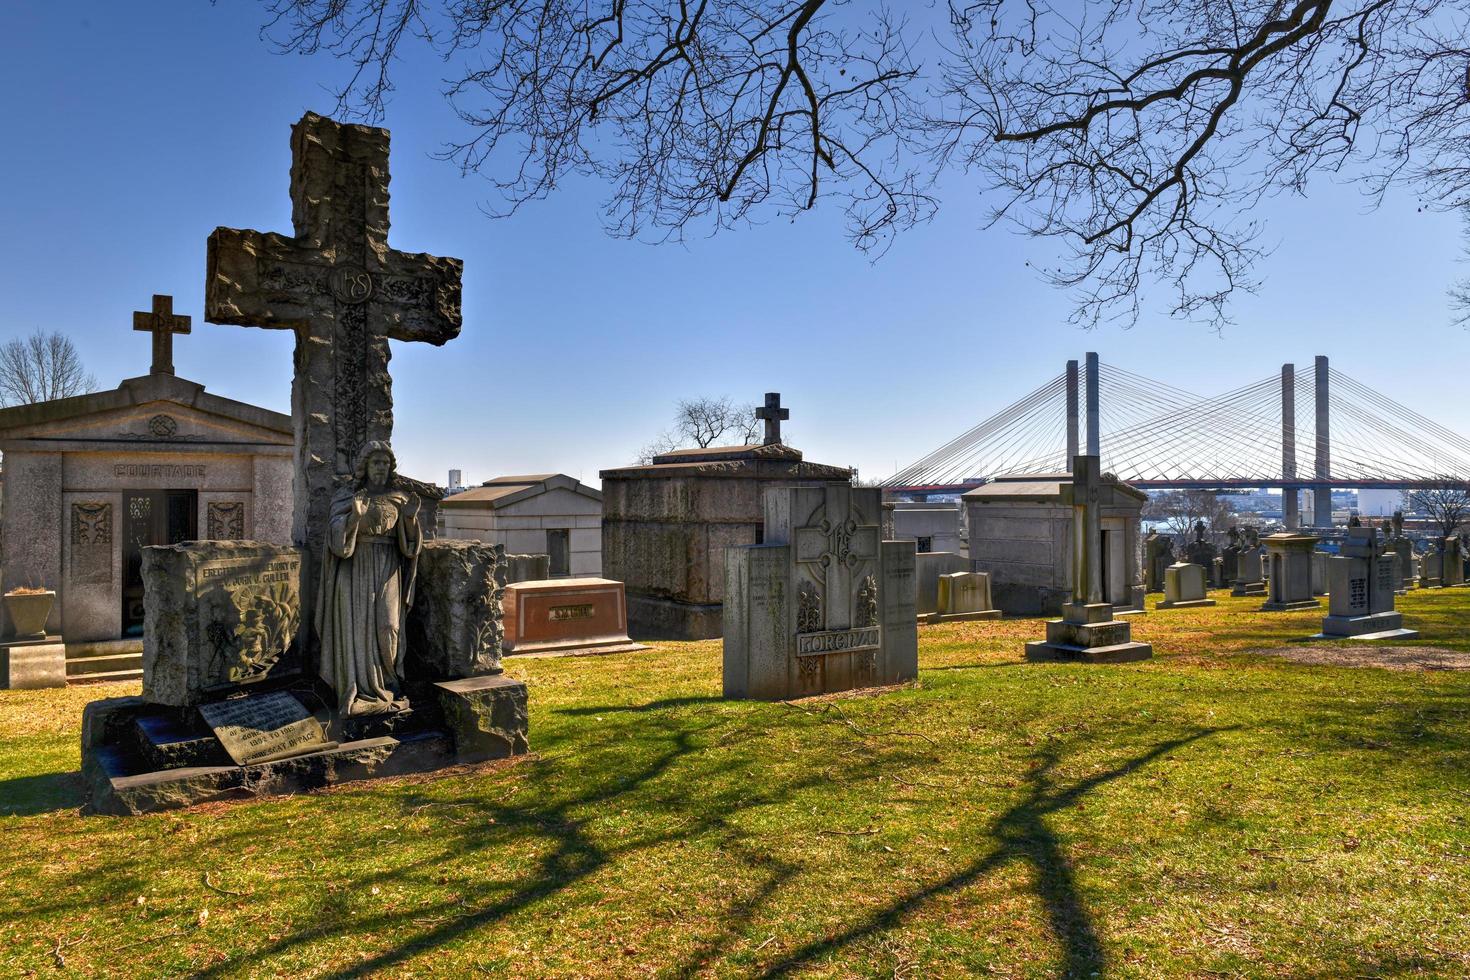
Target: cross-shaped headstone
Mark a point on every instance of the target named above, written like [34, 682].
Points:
[344, 292]
[772, 414]
[163, 323]
[838, 544]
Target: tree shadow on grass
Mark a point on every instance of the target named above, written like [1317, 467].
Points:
[650, 706]
[30, 796]
[1022, 834]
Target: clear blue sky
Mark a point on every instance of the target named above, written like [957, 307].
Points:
[132, 130]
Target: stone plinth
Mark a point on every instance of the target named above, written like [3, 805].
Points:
[823, 605]
[963, 596]
[32, 664]
[1184, 586]
[1361, 595]
[665, 528]
[454, 625]
[567, 616]
[486, 715]
[219, 615]
[930, 566]
[1290, 558]
[1088, 633]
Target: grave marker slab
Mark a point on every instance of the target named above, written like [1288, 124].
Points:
[265, 727]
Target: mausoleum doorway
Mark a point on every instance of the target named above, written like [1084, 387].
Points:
[155, 517]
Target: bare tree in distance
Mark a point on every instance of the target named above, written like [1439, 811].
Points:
[40, 368]
[705, 422]
[1136, 134]
[1447, 504]
[1179, 510]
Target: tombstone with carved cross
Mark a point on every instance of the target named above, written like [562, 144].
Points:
[824, 604]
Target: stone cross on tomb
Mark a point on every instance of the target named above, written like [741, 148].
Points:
[343, 291]
[1086, 530]
[837, 544]
[772, 414]
[163, 323]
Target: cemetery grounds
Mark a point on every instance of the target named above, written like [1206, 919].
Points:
[1213, 812]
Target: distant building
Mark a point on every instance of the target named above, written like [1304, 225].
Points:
[933, 526]
[456, 480]
[545, 514]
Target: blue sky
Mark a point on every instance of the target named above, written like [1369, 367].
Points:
[132, 130]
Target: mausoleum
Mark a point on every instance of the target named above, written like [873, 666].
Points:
[1021, 532]
[91, 481]
[547, 514]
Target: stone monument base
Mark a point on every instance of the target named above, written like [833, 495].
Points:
[1377, 626]
[566, 617]
[31, 664]
[1248, 589]
[141, 757]
[1290, 606]
[1088, 633]
[1184, 603]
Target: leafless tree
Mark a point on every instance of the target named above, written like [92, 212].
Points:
[1179, 510]
[1460, 290]
[1447, 504]
[1137, 134]
[704, 422]
[41, 367]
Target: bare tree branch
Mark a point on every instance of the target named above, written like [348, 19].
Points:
[41, 367]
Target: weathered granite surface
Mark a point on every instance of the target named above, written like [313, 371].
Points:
[454, 626]
[219, 614]
[486, 715]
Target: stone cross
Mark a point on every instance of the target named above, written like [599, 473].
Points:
[838, 544]
[163, 324]
[773, 414]
[344, 292]
[1087, 530]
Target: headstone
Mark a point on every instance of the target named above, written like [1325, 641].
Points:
[929, 567]
[1290, 557]
[1184, 586]
[823, 604]
[1360, 603]
[1158, 551]
[1199, 551]
[1452, 563]
[1087, 631]
[1231, 557]
[1431, 567]
[1403, 549]
[1319, 573]
[1250, 572]
[395, 636]
[567, 616]
[963, 596]
[1218, 573]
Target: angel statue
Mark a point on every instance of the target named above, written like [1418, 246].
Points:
[368, 571]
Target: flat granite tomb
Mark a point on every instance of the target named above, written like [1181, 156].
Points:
[365, 648]
[1184, 587]
[823, 604]
[567, 616]
[1360, 596]
[1088, 631]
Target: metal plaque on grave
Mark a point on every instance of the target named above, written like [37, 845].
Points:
[265, 727]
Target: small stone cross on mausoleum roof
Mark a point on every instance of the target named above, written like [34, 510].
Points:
[344, 292]
[163, 323]
[772, 414]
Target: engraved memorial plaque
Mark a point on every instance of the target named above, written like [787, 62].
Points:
[250, 613]
[265, 727]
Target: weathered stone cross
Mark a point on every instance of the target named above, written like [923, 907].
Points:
[163, 324]
[1087, 530]
[838, 544]
[773, 414]
[343, 291]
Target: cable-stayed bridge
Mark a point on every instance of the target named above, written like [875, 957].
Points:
[1312, 428]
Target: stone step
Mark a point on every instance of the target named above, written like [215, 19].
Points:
[103, 664]
[98, 648]
[106, 677]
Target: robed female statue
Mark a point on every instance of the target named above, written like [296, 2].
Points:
[368, 570]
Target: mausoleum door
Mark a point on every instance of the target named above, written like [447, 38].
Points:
[1105, 549]
[153, 517]
[558, 549]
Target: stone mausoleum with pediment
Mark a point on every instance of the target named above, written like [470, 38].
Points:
[90, 481]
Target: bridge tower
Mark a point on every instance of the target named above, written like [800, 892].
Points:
[1322, 473]
[1290, 496]
[1094, 442]
[1073, 410]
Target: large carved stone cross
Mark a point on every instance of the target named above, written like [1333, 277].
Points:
[344, 292]
[163, 323]
[773, 415]
[1087, 530]
[838, 544]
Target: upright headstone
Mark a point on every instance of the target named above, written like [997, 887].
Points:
[1184, 586]
[1088, 630]
[1231, 557]
[1403, 550]
[930, 566]
[1360, 603]
[1290, 557]
[1199, 551]
[823, 604]
[1431, 567]
[963, 596]
[1158, 550]
[1452, 562]
[1250, 571]
[1319, 573]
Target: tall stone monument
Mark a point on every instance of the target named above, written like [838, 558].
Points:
[1199, 551]
[1290, 556]
[1158, 551]
[1360, 593]
[366, 649]
[823, 604]
[1088, 630]
[1230, 558]
[1403, 550]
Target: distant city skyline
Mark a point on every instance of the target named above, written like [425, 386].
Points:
[135, 132]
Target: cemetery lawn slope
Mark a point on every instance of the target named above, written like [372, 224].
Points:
[1212, 812]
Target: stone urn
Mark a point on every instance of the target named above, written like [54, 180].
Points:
[28, 609]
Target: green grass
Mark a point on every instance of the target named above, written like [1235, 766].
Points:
[1207, 813]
